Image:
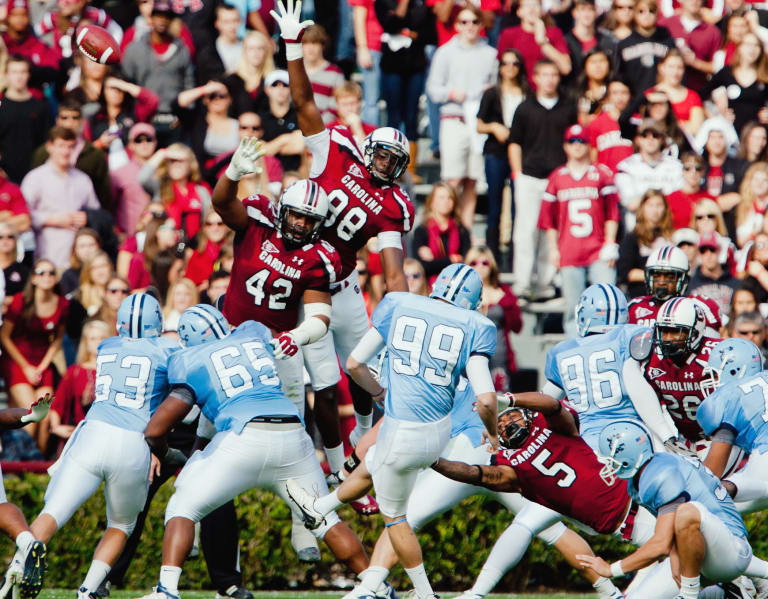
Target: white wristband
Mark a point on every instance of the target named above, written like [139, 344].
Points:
[616, 569]
[293, 51]
[309, 331]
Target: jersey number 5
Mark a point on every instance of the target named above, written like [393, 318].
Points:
[540, 463]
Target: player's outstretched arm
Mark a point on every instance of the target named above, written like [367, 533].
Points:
[357, 363]
[657, 547]
[392, 264]
[559, 420]
[717, 457]
[11, 418]
[495, 478]
[225, 201]
[646, 402]
[287, 16]
[168, 413]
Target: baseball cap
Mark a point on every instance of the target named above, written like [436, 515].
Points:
[162, 6]
[650, 125]
[685, 236]
[708, 240]
[141, 129]
[276, 76]
[575, 131]
[18, 5]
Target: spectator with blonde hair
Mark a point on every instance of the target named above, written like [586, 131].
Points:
[349, 105]
[499, 304]
[753, 204]
[441, 239]
[247, 82]
[181, 295]
[87, 244]
[415, 276]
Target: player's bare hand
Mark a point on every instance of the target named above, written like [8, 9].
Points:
[492, 440]
[284, 346]
[32, 374]
[598, 564]
[244, 159]
[288, 19]
[39, 409]
[154, 467]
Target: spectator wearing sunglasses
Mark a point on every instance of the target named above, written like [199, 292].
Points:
[116, 291]
[754, 202]
[130, 197]
[682, 201]
[210, 240]
[710, 279]
[281, 125]
[582, 244]
[500, 305]
[31, 335]
[648, 168]
[751, 326]
[707, 219]
[416, 277]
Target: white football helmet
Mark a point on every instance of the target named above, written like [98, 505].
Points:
[306, 198]
[394, 148]
[667, 259]
[680, 314]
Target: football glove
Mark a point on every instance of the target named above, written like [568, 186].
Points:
[38, 410]
[287, 16]
[244, 159]
[284, 346]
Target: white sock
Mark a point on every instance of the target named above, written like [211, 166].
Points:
[508, 550]
[689, 587]
[364, 421]
[605, 588]
[418, 576]
[96, 575]
[169, 578]
[372, 578]
[24, 541]
[327, 503]
[757, 568]
[335, 457]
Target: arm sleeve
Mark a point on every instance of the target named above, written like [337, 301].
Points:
[184, 394]
[671, 506]
[551, 371]
[370, 345]
[319, 145]
[484, 343]
[724, 434]
[553, 390]
[645, 401]
[479, 375]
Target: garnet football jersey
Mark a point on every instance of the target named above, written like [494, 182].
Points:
[563, 474]
[359, 207]
[679, 387]
[578, 209]
[605, 136]
[269, 278]
[643, 310]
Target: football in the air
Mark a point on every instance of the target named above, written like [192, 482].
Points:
[97, 44]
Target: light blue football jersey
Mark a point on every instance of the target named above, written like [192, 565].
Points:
[131, 380]
[741, 406]
[589, 370]
[233, 379]
[464, 418]
[668, 476]
[429, 344]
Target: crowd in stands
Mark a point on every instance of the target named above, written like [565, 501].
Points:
[600, 130]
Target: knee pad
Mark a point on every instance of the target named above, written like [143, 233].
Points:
[127, 528]
[552, 534]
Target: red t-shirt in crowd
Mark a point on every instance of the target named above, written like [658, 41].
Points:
[715, 181]
[578, 209]
[704, 40]
[681, 205]
[605, 136]
[445, 31]
[373, 29]
[200, 264]
[525, 43]
[683, 108]
[11, 198]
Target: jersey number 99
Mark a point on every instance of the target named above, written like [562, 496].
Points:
[443, 345]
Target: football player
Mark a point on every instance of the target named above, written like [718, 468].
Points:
[676, 369]
[28, 565]
[698, 528]
[431, 342]
[258, 438]
[365, 202]
[108, 447]
[666, 276]
[545, 459]
[599, 372]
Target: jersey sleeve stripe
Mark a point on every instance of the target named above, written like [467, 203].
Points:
[404, 208]
[328, 267]
[346, 143]
[259, 216]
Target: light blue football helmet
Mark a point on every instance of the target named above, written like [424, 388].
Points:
[730, 360]
[201, 323]
[623, 447]
[601, 307]
[460, 285]
[139, 317]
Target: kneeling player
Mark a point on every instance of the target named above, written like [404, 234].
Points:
[260, 439]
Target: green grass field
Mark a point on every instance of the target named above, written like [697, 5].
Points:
[65, 594]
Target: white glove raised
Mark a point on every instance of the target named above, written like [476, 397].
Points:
[244, 159]
[38, 410]
[288, 20]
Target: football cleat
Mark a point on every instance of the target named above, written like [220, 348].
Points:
[31, 582]
[234, 592]
[309, 555]
[737, 589]
[365, 506]
[306, 504]
[360, 592]
[103, 591]
[159, 592]
[386, 591]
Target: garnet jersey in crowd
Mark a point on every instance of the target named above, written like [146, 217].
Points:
[605, 136]
[360, 208]
[679, 387]
[643, 311]
[269, 278]
[562, 473]
[578, 208]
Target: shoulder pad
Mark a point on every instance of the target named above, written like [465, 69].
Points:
[641, 344]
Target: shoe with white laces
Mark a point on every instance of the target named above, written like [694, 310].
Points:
[761, 587]
[386, 591]
[306, 503]
[160, 592]
[11, 579]
[309, 555]
[31, 582]
[334, 479]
